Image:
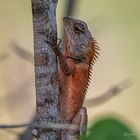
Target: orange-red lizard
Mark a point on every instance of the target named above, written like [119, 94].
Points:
[75, 66]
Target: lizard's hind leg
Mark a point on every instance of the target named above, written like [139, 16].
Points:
[84, 121]
[79, 120]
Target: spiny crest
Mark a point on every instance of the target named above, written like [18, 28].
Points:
[96, 50]
[95, 53]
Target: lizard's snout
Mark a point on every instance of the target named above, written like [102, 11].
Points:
[67, 18]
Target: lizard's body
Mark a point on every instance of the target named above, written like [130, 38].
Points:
[80, 52]
[71, 88]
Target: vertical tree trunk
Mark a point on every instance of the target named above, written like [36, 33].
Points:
[46, 82]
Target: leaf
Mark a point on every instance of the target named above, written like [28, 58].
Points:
[110, 129]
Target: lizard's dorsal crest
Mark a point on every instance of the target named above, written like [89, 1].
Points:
[94, 53]
[95, 50]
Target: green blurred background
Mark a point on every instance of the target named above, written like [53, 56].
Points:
[116, 27]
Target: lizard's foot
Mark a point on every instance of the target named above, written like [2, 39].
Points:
[59, 42]
[54, 45]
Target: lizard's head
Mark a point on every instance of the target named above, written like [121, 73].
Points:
[79, 42]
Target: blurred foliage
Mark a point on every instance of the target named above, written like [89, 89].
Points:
[110, 129]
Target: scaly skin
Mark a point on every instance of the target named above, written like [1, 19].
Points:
[80, 52]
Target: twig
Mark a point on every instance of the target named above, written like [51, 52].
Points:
[22, 53]
[43, 125]
[13, 126]
[115, 90]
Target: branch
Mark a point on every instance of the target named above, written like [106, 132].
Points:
[46, 83]
[109, 94]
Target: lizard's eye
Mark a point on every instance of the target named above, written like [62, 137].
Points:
[79, 28]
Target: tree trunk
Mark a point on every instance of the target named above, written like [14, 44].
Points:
[46, 82]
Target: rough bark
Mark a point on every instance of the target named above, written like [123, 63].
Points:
[46, 82]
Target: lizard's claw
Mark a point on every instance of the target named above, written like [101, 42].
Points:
[59, 42]
[54, 46]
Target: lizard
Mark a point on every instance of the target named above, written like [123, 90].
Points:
[74, 72]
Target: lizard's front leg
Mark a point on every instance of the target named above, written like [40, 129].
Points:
[80, 122]
[66, 67]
